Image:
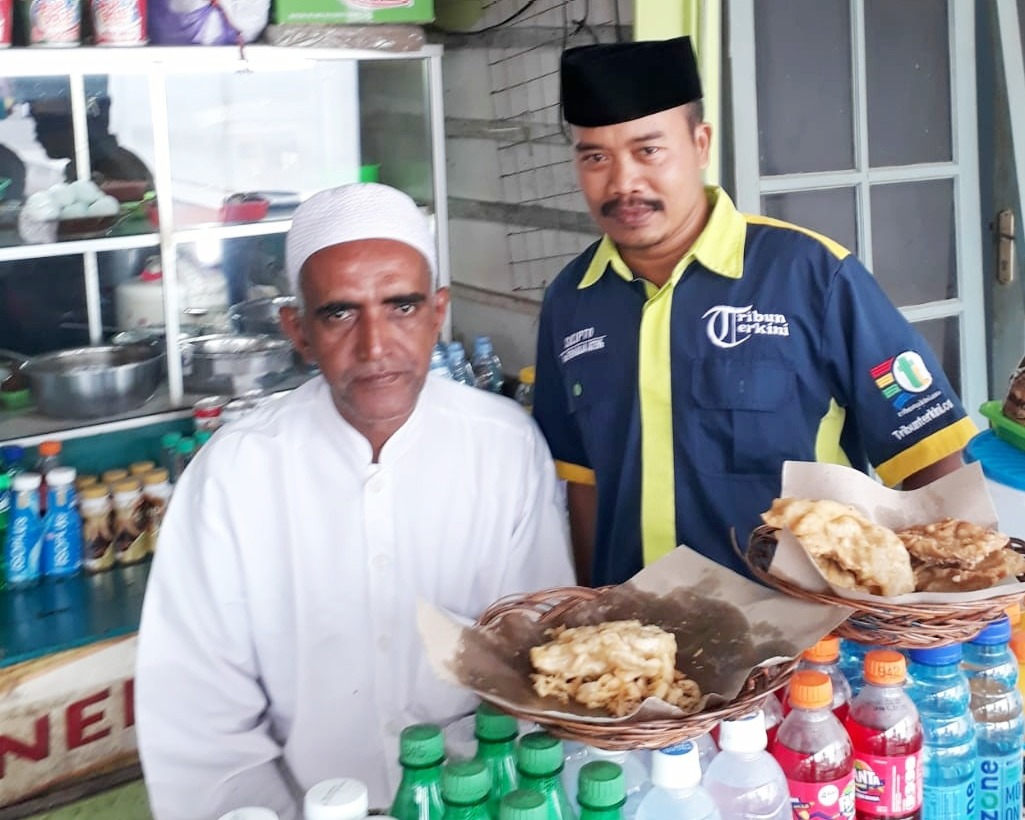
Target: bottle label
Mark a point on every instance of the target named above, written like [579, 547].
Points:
[823, 801]
[950, 802]
[886, 786]
[1000, 787]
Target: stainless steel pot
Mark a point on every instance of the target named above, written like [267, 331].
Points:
[89, 382]
[233, 365]
[259, 315]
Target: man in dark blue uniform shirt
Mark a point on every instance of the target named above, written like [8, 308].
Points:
[693, 349]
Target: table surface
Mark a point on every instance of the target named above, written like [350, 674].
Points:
[56, 615]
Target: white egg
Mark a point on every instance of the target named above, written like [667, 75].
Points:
[85, 190]
[104, 206]
[62, 194]
[42, 209]
[76, 210]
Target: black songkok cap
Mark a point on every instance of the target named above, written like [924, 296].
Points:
[611, 83]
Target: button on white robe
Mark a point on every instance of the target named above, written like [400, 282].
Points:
[278, 636]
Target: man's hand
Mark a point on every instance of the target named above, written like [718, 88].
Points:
[582, 503]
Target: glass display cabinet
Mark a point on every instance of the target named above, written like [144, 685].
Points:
[144, 198]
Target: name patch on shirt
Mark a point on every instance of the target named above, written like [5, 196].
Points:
[730, 326]
[581, 342]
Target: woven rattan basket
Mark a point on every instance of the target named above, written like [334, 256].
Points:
[905, 626]
[548, 605]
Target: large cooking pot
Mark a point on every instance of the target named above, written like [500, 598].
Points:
[89, 382]
[232, 365]
[259, 315]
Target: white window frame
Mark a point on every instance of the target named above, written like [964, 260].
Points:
[969, 307]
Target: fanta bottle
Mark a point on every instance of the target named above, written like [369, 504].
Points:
[825, 657]
[815, 752]
[887, 735]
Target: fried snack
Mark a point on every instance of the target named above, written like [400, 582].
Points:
[850, 551]
[612, 666]
[952, 543]
[993, 569]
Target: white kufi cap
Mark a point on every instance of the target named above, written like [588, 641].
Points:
[362, 210]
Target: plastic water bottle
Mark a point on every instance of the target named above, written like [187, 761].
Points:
[825, 657]
[62, 526]
[465, 786]
[635, 774]
[887, 735]
[602, 791]
[487, 369]
[12, 457]
[997, 707]
[421, 753]
[496, 747]
[707, 749]
[772, 717]
[676, 792]
[340, 798]
[250, 813]
[439, 362]
[939, 689]
[457, 364]
[23, 547]
[539, 761]
[745, 781]
[814, 751]
[852, 663]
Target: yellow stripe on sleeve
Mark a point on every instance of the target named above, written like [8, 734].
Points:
[827, 439]
[928, 451]
[574, 473]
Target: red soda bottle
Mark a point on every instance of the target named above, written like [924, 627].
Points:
[814, 751]
[887, 735]
[825, 657]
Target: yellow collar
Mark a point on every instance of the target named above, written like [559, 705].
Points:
[719, 247]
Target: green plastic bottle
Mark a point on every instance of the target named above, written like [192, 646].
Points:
[602, 791]
[465, 787]
[523, 804]
[539, 764]
[496, 747]
[421, 753]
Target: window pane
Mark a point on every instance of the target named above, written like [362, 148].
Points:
[804, 86]
[908, 70]
[944, 337]
[42, 305]
[833, 212]
[914, 253]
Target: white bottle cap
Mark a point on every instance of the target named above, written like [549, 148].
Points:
[608, 754]
[341, 798]
[676, 767]
[60, 476]
[744, 734]
[26, 481]
[250, 813]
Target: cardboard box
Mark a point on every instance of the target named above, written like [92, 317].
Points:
[353, 12]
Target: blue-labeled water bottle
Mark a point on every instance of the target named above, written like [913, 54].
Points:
[487, 369]
[62, 526]
[23, 545]
[457, 364]
[997, 707]
[439, 362]
[939, 688]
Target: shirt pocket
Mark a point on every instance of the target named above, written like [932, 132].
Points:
[744, 414]
[593, 387]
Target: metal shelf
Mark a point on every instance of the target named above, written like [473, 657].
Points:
[249, 229]
[71, 247]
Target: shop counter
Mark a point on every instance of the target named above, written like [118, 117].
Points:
[67, 717]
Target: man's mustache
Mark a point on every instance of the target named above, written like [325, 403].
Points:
[611, 208]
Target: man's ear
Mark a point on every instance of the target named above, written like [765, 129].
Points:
[292, 324]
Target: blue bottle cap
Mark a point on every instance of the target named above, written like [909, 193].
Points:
[937, 655]
[998, 631]
[12, 453]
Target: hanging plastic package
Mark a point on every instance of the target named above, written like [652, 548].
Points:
[206, 22]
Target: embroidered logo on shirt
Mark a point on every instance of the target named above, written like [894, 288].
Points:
[902, 378]
[579, 343]
[730, 326]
